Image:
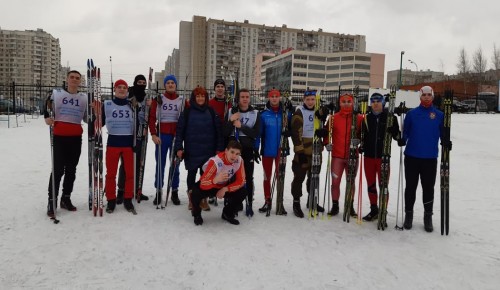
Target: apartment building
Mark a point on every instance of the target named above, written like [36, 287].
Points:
[29, 57]
[409, 77]
[212, 48]
[299, 70]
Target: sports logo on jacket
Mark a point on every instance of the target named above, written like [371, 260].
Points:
[432, 115]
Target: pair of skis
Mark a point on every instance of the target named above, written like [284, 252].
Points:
[445, 163]
[315, 163]
[142, 136]
[386, 163]
[96, 185]
[284, 151]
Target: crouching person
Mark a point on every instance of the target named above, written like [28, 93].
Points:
[223, 177]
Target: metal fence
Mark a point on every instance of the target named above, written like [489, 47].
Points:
[28, 100]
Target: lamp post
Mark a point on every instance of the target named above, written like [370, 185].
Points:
[401, 70]
[416, 67]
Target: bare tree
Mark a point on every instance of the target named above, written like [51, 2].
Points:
[463, 64]
[495, 60]
[479, 64]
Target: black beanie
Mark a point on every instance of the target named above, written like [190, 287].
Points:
[138, 78]
[219, 82]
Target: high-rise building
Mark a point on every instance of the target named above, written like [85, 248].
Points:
[212, 48]
[300, 70]
[29, 57]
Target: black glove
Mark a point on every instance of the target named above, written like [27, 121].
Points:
[322, 113]
[136, 149]
[321, 133]
[256, 156]
[302, 158]
[361, 150]
[287, 133]
[401, 142]
[447, 144]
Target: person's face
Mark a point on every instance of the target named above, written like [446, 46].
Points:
[244, 99]
[345, 103]
[170, 86]
[310, 101]
[232, 154]
[220, 89]
[274, 99]
[73, 80]
[200, 99]
[426, 97]
[121, 91]
[376, 105]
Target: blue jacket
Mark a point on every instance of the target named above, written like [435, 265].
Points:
[199, 134]
[270, 130]
[422, 129]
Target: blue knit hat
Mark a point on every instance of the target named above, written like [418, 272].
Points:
[379, 97]
[170, 78]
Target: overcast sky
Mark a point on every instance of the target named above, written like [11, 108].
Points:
[140, 34]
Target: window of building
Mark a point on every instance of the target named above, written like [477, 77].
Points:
[347, 58]
[316, 75]
[316, 66]
[363, 58]
[362, 66]
[346, 66]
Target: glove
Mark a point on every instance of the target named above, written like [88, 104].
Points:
[302, 158]
[322, 113]
[401, 142]
[447, 144]
[361, 150]
[321, 133]
[256, 156]
[136, 149]
[355, 142]
[328, 147]
[287, 134]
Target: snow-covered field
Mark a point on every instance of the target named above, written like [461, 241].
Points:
[163, 249]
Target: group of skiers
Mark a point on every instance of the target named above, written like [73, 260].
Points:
[222, 139]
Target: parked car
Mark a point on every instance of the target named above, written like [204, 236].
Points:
[6, 106]
[460, 107]
[481, 105]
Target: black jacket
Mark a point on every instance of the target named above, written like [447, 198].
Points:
[373, 133]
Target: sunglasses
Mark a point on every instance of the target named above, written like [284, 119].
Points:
[309, 93]
[375, 100]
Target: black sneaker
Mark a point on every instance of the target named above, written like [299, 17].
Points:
[428, 222]
[297, 211]
[229, 219]
[335, 209]
[157, 200]
[175, 197]
[265, 207]
[50, 208]
[198, 220]
[143, 197]
[319, 208]
[66, 204]
[110, 207]
[408, 223]
[372, 215]
[119, 197]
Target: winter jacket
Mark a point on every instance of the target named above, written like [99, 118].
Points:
[270, 130]
[199, 134]
[341, 133]
[374, 133]
[301, 144]
[421, 131]
[247, 134]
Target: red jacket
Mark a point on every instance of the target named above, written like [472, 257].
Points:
[341, 133]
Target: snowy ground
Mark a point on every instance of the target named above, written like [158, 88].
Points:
[162, 249]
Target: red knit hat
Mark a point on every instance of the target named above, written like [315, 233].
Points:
[121, 82]
[273, 92]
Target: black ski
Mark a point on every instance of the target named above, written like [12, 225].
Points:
[386, 163]
[445, 164]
